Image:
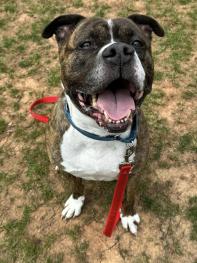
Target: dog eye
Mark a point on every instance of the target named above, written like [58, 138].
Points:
[85, 45]
[137, 44]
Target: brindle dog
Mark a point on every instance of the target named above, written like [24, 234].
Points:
[106, 72]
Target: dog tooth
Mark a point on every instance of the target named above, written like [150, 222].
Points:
[81, 103]
[125, 119]
[140, 94]
[106, 116]
[94, 100]
[80, 96]
[117, 121]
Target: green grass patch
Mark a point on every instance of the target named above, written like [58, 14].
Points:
[17, 227]
[3, 126]
[37, 161]
[158, 75]
[77, 3]
[10, 7]
[191, 214]
[126, 10]
[29, 135]
[18, 245]
[155, 198]
[100, 9]
[56, 258]
[15, 93]
[37, 171]
[3, 66]
[54, 77]
[184, 2]
[32, 60]
[3, 23]
[190, 92]
[21, 48]
[2, 104]
[8, 42]
[158, 127]
[47, 191]
[74, 233]
[159, 135]
[6, 179]
[179, 43]
[188, 142]
[156, 98]
[80, 251]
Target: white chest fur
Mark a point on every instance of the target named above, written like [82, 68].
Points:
[87, 158]
[90, 159]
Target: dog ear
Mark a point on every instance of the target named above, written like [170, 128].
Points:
[148, 25]
[62, 27]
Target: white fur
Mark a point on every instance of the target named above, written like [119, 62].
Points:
[128, 222]
[110, 24]
[72, 207]
[87, 158]
[139, 71]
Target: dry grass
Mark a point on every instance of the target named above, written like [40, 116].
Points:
[32, 194]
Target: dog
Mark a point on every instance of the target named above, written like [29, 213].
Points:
[106, 73]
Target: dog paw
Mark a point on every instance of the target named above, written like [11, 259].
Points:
[72, 207]
[130, 222]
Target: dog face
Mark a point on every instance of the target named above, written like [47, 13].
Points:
[106, 65]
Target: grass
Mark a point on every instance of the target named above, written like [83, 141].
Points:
[192, 216]
[37, 161]
[54, 77]
[10, 7]
[57, 258]
[6, 179]
[24, 54]
[188, 142]
[155, 198]
[77, 3]
[74, 233]
[80, 251]
[100, 9]
[32, 60]
[3, 126]
[37, 173]
[20, 245]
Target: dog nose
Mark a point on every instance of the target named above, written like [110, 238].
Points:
[118, 53]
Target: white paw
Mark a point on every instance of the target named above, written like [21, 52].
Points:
[130, 222]
[73, 207]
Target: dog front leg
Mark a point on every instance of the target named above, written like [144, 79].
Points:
[74, 203]
[129, 218]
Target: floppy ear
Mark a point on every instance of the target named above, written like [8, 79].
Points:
[62, 27]
[148, 25]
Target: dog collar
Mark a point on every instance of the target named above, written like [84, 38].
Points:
[132, 136]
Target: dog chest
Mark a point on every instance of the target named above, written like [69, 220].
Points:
[90, 159]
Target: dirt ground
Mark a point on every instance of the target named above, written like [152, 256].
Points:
[32, 194]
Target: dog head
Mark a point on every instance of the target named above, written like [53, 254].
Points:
[106, 65]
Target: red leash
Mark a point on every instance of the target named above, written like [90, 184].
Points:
[125, 169]
[39, 117]
[114, 212]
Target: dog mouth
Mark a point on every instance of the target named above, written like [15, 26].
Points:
[114, 107]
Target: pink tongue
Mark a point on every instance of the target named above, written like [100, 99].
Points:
[117, 105]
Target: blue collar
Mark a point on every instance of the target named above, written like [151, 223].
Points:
[129, 139]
